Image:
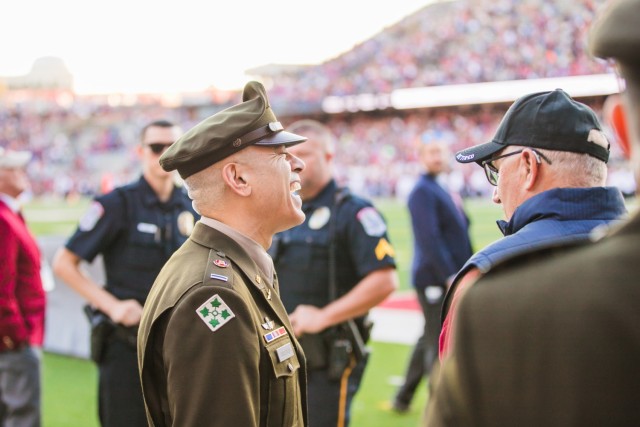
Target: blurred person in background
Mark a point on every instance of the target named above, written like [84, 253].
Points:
[441, 246]
[548, 163]
[333, 269]
[215, 345]
[551, 337]
[136, 228]
[22, 301]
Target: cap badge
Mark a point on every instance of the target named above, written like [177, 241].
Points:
[275, 126]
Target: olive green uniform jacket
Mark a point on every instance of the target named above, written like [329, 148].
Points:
[549, 339]
[215, 346]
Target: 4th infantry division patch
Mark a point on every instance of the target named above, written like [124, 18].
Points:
[215, 313]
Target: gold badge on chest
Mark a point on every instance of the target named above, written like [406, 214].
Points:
[319, 218]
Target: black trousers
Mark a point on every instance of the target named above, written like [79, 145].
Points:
[120, 394]
[425, 351]
[324, 396]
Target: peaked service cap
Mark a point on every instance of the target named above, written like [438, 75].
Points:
[252, 122]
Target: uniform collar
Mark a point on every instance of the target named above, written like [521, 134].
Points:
[150, 198]
[323, 198]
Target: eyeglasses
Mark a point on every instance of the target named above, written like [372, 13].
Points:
[158, 147]
[492, 172]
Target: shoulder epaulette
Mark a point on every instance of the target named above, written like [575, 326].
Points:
[219, 271]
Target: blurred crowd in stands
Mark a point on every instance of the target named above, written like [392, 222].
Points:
[454, 42]
[86, 147]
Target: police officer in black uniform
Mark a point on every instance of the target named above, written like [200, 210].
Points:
[332, 269]
[136, 228]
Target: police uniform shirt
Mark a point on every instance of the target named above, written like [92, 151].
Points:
[135, 233]
[301, 254]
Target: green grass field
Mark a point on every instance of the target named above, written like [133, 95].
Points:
[70, 383]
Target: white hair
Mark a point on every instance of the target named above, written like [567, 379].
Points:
[206, 189]
[579, 170]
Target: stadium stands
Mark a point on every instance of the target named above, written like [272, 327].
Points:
[83, 145]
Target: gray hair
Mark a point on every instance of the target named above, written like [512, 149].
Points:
[206, 189]
[578, 170]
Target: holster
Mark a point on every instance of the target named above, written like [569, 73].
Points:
[104, 330]
[333, 348]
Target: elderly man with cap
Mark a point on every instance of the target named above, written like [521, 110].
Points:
[215, 345]
[22, 301]
[547, 162]
[551, 338]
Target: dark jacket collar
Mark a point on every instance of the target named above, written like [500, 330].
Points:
[576, 203]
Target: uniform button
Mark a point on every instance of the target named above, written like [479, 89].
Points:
[258, 279]
[290, 366]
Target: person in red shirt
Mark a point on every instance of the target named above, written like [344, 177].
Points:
[22, 301]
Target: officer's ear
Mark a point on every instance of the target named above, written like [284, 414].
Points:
[232, 174]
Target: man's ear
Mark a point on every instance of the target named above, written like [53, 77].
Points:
[615, 115]
[532, 168]
[232, 176]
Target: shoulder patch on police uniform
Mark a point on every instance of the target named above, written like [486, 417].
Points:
[383, 249]
[215, 313]
[371, 221]
[91, 216]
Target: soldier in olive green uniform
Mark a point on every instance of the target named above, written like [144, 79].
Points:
[215, 346]
[552, 338]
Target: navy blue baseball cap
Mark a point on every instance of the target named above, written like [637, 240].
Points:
[546, 120]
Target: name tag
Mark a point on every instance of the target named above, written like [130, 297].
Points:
[285, 352]
[144, 227]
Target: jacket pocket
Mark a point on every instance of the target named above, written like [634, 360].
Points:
[284, 388]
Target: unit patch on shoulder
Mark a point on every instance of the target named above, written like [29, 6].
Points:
[91, 216]
[383, 249]
[371, 221]
[215, 313]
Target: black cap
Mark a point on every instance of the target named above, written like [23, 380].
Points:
[546, 120]
[251, 122]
